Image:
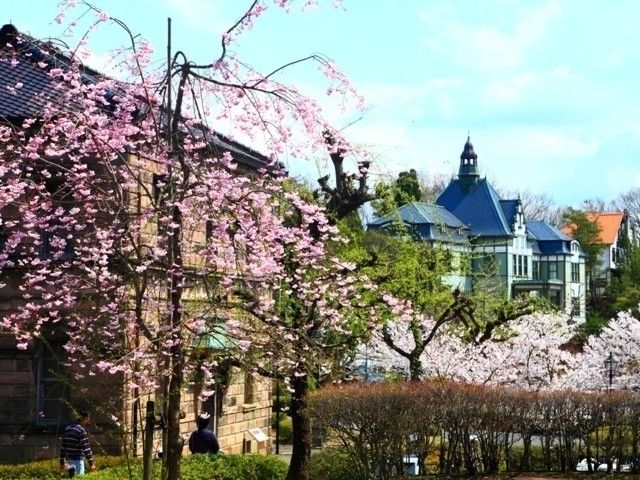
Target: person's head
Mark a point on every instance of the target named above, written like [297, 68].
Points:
[84, 417]
[202, 421]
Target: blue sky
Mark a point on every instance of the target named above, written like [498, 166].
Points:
[547, 89]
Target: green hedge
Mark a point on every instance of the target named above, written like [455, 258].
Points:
[233, 467]
[48, 469]
[332, 463]
[194, 467]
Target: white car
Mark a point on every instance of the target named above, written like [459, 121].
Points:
[583, 467]
[625, 467]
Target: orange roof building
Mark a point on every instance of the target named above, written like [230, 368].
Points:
[612, 226]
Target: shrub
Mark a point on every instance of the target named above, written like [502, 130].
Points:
[48, 469]
[594, 324]
[332, 463]
[370, 421]
[40, 470]
[233, 467]
[286, 429]
[194, 467]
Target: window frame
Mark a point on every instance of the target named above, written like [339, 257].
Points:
[51, 375]
[249, 394]
[555, 270]
[575, 272]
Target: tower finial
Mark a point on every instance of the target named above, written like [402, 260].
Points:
[468, 171]
[468, 152]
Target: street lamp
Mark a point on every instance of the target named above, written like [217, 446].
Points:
[609, 363]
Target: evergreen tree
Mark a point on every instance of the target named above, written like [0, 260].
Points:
[586, 231]
[403, 190]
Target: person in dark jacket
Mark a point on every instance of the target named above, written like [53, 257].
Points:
[203, 440]
[75, 447]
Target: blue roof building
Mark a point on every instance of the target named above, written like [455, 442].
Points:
[427, 222]
[522, 256]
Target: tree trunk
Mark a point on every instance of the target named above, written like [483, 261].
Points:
[441, 457]
[147, 454]
[301, 424]
[546, 451]
[525, 463]
[587, 446]
[415, 368]
[174, 439]
[634, 448]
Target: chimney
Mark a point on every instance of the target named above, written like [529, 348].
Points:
[8, 34]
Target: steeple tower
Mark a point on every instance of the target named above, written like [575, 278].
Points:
[468, 172]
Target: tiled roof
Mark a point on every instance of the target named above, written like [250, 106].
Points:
[419, 213]
[549, 239]
[481, 211]
[541, 230]
[609, 223]
[509, 208]
[25, 84]
[431, 222]
[27, 63]
[451, 196]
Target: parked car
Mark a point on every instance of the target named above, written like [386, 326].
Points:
[625, 467]
[583, 466]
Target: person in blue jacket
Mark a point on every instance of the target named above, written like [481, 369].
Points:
[203, 440]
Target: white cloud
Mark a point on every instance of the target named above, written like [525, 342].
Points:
[412, 101]
[528, 86]
[531, 144]
[103, 63]
[488, 47]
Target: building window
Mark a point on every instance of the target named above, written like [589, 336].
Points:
[536, 270]
[249, 388]
[554, 297]
[575, 272]
[514, 258]
[575, 306]
[246, 446]
[56, 243]
[525, 261]
[208, 230]
[158, 183]
[553, 270]
[53, 389]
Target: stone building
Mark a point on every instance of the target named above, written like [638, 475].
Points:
[487, 233]
[37, 391]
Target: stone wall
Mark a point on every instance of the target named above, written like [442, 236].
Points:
[26, 433]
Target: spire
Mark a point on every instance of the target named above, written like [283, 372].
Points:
[468, 152]
[468, 172]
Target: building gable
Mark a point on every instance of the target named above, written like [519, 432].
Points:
[480, 209]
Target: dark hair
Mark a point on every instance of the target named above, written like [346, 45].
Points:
[202, 422]
[82, 414]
